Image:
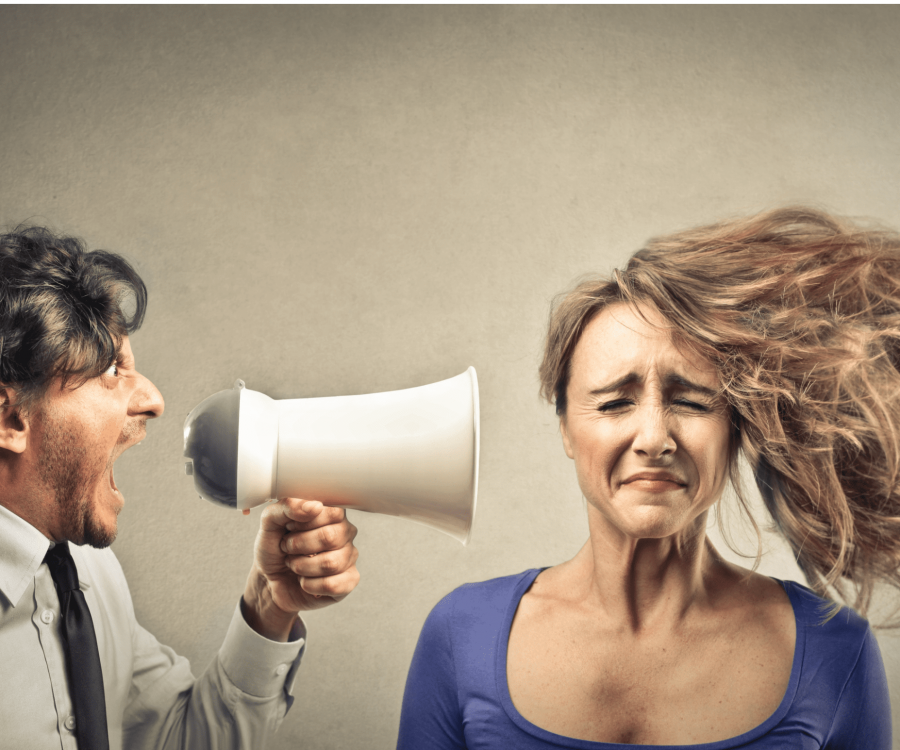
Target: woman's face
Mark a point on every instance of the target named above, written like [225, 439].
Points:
[648, 435]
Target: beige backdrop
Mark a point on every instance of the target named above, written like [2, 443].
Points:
[337, 200]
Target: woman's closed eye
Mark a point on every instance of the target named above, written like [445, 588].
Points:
[622, 403]
[690, 404]
[619, 403]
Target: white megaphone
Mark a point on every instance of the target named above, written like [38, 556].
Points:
[410, 453]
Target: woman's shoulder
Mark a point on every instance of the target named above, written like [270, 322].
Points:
[837, 641]
[823, 616]
[841, 672]
[484, 598]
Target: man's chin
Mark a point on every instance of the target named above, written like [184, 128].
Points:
[100, 538]
[96, 532]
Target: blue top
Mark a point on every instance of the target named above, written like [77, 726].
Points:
[457, 695]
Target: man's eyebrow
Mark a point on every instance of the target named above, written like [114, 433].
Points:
[671, 380]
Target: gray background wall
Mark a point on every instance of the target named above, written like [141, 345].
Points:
[338, 200]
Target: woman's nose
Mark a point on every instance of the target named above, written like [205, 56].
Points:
[652, 437]
[147, 401]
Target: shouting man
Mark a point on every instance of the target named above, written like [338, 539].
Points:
[78, 670]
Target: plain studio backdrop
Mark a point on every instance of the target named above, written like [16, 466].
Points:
[342, 200]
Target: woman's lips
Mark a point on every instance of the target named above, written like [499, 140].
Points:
[654, 482]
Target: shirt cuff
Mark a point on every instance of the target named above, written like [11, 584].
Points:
[256, 665]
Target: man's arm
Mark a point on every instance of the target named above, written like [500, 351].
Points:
[304, 559]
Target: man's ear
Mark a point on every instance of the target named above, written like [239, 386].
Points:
[565, 436]
[14, 424]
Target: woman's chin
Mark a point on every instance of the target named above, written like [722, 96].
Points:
[653, 521]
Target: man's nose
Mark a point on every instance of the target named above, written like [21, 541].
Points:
[147, 401]
[653, 437]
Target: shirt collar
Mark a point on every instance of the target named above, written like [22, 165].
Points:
[22, 550]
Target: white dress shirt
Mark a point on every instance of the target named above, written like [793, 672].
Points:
[152, 699]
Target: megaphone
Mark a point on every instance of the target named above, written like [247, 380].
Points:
[411, 453]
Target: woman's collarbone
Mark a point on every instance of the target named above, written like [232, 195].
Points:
[684, 686]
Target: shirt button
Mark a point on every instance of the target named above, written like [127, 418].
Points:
[70, 723]
[46, 617]
[282, 668]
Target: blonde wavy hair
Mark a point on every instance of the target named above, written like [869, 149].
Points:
[799, 311]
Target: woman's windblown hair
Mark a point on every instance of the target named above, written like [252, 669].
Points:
[800, 313]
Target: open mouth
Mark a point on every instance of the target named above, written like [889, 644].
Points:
[112, 482]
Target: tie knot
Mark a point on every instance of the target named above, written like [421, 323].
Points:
[62, 567]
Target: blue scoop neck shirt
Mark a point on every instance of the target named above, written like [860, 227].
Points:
[457, 695]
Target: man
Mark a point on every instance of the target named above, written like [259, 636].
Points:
[71, 402]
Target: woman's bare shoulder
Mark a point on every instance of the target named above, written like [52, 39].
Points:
[743, 588]
[554, 587]
[755, 607]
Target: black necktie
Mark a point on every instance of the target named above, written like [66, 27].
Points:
[82, 656]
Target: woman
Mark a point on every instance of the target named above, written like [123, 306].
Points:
[777, 336]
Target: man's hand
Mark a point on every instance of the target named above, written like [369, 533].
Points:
[305, 559]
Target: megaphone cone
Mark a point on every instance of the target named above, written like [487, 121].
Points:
[410, 453]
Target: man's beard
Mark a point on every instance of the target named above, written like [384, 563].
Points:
[65, 471]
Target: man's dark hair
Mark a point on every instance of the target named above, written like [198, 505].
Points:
[61, 310]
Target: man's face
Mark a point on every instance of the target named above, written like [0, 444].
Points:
[79, 433]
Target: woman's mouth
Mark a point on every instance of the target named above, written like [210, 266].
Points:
[655, 481]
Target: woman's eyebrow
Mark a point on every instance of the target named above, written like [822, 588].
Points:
[682, 382]
[631, 377]
[678, 381]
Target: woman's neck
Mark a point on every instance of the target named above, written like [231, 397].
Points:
[646, 584]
